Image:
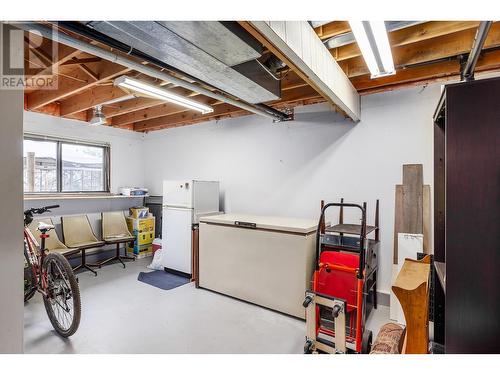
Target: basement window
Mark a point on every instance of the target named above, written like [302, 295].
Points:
[54, 166]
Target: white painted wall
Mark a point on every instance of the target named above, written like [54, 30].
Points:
[283, 168]
[287, 168]
[127, 168]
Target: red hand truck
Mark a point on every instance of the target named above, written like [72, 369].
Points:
[344, 284]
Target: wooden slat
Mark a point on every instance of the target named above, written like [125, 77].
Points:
[427, 219]
[413, 198]
[409, 35]
[398, 220]
[428, 50]
[332, 29]
[105, 70]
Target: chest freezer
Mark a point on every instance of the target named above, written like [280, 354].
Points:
[267, 261]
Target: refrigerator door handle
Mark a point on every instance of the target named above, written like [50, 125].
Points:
[177, 206]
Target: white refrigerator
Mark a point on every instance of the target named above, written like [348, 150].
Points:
[184, 202]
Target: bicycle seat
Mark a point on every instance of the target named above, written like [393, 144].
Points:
[44, 227]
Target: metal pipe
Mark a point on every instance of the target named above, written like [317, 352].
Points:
[107, 55]
[477, 46]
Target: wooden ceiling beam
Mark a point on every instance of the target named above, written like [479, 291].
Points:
[409, 35]
[185, 117]
[332, 29]
[64, 54]
[437, 48]
[290, 81]
[90, 98]
[77, 61]
[220, 109]
[128, 106]
[445, 70]
[104, 70]
[160, 110]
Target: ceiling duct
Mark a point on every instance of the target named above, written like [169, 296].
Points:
[210, 51]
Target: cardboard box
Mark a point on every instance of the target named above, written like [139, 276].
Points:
[144, 238]
[140, 251]
[139, 212]
[141, 225]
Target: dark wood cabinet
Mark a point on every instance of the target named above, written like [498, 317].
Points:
[466, 216]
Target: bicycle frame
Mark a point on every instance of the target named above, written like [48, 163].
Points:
[36, 255]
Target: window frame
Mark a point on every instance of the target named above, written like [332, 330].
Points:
[106, 147]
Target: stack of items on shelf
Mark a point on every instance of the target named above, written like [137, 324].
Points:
[134, 191]
[141, 223]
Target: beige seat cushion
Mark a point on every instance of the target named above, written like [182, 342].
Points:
[114, 227]
[78, 232]
[52, 243]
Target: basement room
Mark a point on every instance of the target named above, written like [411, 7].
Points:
[204, 182]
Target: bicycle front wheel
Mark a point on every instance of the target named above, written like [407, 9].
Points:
[62, 301]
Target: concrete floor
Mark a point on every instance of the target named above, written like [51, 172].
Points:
[123, 315]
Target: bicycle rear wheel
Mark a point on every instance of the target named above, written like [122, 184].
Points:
[62, 302]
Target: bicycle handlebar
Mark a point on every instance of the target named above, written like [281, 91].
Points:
[28, 214]
[40, 210]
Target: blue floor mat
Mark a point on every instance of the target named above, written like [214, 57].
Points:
[162, 279]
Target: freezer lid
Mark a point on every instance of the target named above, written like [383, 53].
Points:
[286, 224]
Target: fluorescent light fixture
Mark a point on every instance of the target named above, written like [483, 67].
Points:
[160, 93]
[373, 42]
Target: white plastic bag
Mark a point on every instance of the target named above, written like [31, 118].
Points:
[156, 263]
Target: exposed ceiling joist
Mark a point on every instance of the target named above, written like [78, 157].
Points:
[432, 49]
[159, 110]
[428, 50]
[301, 93]
[489, 61]
[332, 29]
[90, 98]
[104, 70]
[141, 108]
[407, 36]
[129, 106]
[348, 38]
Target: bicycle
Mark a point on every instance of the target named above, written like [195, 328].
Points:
[50, 274]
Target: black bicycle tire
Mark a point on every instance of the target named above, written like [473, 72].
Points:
[32, 277]
[75, 290]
